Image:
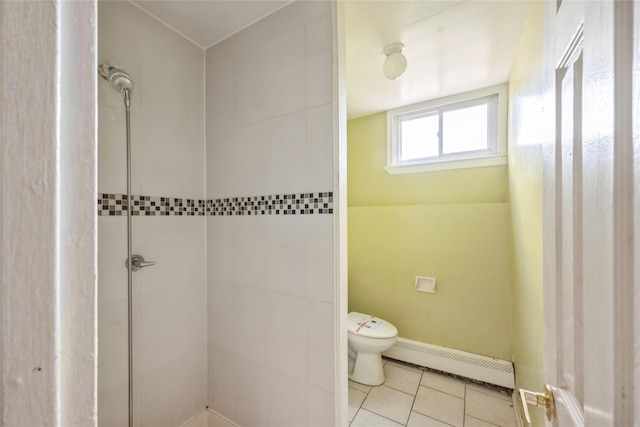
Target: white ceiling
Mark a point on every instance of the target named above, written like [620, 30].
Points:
[451, 46]
[207, 22]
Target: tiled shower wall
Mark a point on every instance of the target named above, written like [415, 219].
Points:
[170, 344]
[270, 276]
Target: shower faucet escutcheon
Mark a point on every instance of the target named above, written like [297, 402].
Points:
[138, 263]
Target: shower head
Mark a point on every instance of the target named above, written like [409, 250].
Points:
[120, 80]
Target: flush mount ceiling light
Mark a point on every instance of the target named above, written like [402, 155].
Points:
[396, 63]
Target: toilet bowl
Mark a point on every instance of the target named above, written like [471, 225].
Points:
[368, 337]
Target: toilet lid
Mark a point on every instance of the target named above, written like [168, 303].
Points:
[370, 326]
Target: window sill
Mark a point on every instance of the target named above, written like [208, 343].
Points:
[448, 164]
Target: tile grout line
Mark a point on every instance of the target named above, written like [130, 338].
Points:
[487, 422]
[431, 416]
[444, 392]
[489, 393]
[361, 403]
[414, 398]
[464, 405]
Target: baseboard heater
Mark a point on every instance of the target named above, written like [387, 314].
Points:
[469, 365]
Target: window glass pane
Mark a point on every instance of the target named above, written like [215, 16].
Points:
[465, 129]
[419, 137]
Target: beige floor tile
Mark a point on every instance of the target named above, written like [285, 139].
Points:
[389, 403]
[489, 390]
[418, 420]
[365, 418]
[443, 383]
[356, 398]
[361, 387]
[441, 406]
[401, 379]
[403, 365]
[474, 422]
[490, 408]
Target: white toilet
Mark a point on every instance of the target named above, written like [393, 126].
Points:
[368, 337]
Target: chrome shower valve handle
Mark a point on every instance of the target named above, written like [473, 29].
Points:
[138, 262]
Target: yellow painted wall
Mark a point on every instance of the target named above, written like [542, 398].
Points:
[525, 180]
[370, 185]
[452, 225]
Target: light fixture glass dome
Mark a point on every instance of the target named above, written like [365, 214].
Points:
[396, 63]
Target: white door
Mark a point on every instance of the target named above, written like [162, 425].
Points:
[589, 213]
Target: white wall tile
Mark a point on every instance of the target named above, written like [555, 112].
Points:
[320, 351]
[119, 45]
[251, 323]
[222, 382]
[172, 78]
[177, 245]
[113, 407]
[252, 392]
[167, 105]
[166, 160]
[220, 94]
[272, 142]
[286, 268]
[249, 154]
[319, 150]
[167, 325]
[316, 9]
[319, 61]
[318, 81]
[112, 253]
[220, 248]
[249, 82]
[288, 406]
[285, 73]
[291, 17]
[286, 157]
[287, 335]
[220, 313]
[250, 251]
[320, 257]
[171, 394]
[321, 407]
[220, 168]
[318, 33]
[113, 345]
[112, 154]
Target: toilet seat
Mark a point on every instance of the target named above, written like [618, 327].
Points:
[369, 326]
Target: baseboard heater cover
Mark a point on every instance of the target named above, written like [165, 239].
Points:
[469, 365]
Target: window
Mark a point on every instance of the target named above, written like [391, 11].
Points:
[461, 131]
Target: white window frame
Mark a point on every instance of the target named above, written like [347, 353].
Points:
[495, 155]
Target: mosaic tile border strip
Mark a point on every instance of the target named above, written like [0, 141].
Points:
[277, 204]
[116, 205]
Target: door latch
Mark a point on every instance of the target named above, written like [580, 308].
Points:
[541, 400]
